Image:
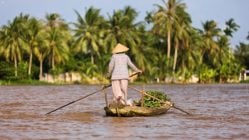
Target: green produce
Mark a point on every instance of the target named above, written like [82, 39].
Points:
[148, 101]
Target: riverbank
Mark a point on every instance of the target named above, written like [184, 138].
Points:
[24, 82]
[37, 82]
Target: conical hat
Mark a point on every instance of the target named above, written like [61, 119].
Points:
[120, 48]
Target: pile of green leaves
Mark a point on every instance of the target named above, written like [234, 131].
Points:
[152, 102]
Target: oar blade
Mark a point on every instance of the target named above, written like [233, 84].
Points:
[181, 110]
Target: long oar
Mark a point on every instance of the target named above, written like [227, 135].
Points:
[169, 103]
[84, 97]
[79, 99]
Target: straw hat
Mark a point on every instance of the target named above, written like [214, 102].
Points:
[119, 48]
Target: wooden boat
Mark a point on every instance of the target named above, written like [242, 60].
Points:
[132, 111]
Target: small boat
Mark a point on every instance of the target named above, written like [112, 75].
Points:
[148, 105]
[132, 111]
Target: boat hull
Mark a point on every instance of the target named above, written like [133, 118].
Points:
[132, 111]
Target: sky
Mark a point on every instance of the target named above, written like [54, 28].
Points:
[199, 10]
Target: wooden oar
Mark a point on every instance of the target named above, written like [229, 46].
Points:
[79, 99]
[85, 96]
[167, 102]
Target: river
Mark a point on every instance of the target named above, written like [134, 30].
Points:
[219, 111]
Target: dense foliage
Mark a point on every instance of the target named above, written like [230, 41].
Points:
[165, 45]
[155, 99]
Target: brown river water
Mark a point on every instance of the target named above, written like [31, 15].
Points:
[219, 111]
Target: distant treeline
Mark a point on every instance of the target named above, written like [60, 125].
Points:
[165, 45]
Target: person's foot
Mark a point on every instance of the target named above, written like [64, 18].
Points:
[119, 98]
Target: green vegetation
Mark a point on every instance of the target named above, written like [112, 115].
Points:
[148, 101]
[23, 82]
[245, 81]
[165, 45]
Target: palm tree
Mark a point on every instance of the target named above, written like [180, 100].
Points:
[209, 48]
[242, 54]
[210, 36]
[155, 60]
[224, 57]
[88, 32]
[181, 32]
[231, 27]
[225, 50]
[57, 34]
[12, 41]
[122, 28]
[41, 45]
[189, 58]
[32, 38]
[41, 52]
[165, 19]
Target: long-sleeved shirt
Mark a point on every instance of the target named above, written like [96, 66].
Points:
[118, 66]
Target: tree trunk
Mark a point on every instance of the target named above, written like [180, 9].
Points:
[175, 56]
[15, 62]
[169, 44]
[92, 58]
[53, 65]
[30, 62]
[41, 68]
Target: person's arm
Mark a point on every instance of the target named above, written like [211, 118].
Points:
[110, 67]
[132, 66]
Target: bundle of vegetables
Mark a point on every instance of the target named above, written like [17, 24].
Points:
[149, 101]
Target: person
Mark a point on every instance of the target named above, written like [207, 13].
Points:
[118, 71]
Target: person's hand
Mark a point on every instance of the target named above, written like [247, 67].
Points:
[108, 75]
[139, 71]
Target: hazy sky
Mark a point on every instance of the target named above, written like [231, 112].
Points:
[200, 10]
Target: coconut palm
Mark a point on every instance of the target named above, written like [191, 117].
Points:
[89, 33]
[231, 27]
[41, 49]
[165, 19]
[210, 35]
[57, 35]
[181, 33]
[189, 58]
[242, 54]
[181, 41]
[156, 64]
[12, 41]
[118, 29]
[225, 56]
[123, 29]
[32, 38]
[224, 42]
